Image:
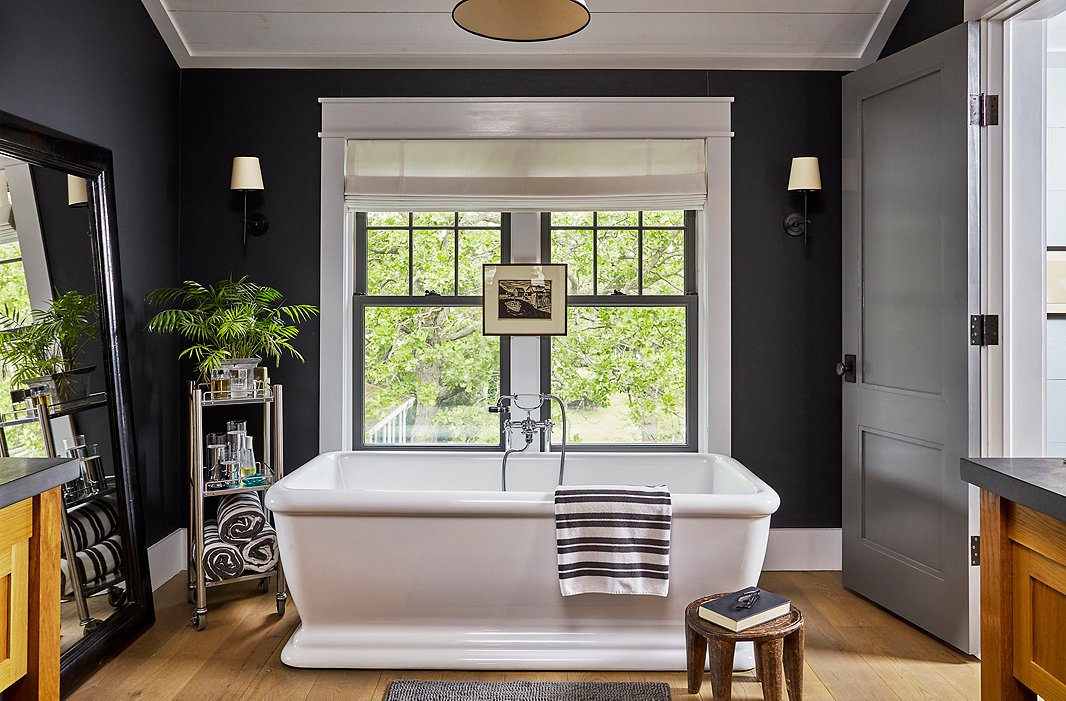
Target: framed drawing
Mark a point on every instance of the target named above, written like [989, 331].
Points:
[524, 300]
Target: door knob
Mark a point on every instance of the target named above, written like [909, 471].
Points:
[846, 369]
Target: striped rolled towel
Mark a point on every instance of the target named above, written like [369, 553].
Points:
[240, 517]
[92, 522]
[221, 559]
[613, 539]
[93, 563]
[261, 552]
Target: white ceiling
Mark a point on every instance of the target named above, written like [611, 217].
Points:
[701, 34]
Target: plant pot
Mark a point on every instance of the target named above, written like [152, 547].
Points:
[238, 374]
[62, 387]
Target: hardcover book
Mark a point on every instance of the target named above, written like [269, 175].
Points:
[744, 609]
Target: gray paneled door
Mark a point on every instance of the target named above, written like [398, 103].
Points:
[910, 257]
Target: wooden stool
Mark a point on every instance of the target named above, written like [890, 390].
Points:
[780, 638]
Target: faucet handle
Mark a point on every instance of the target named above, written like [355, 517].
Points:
[495, 408]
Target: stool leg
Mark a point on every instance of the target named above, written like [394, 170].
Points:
[794, 664]
[696, 646]
[722, 669]
[768, 652]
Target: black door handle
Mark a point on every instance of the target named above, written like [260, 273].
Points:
[846, 369]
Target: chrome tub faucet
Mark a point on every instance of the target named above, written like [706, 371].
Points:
[528, 426]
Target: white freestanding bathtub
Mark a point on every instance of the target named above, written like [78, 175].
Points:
[416, 560]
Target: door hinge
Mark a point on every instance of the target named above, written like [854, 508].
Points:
[984, 330]
[975, 550]
[984, 110]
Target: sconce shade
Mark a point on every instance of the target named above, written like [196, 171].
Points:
[246, 174]
[522, 20]
[77, 191]
[805, 175]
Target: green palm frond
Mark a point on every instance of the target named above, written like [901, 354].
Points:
[233, 318]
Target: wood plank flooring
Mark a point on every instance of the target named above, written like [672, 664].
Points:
[855, 651]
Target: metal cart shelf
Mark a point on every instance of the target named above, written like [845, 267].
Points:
[41, 412]
[272, 451]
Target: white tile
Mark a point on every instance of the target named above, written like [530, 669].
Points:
[1056, 411]
[1056, 450]
[1056, 97]
[1056, 217]
[1056, 349]
[1056, 158]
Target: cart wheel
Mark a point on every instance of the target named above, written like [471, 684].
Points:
[116, 596]
[282, 598]
[199, 621]
[90, 625]
[262, 584]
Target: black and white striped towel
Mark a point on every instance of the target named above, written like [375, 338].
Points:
[240, 517]
[221, 559]
[92, 522]
[93, 563]
[260, 554]
[613, 540]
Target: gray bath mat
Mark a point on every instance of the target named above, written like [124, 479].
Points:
[421, 690]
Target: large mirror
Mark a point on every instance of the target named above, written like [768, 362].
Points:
[64, 389]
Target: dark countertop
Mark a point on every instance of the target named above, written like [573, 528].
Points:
[1039, 483]
[22, 478]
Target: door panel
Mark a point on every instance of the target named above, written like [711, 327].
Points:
[907, 295]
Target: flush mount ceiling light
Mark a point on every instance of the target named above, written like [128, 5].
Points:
[522, 20]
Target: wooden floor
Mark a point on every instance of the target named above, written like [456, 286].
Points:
[855, 651]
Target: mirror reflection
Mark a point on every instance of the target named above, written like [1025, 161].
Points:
[53, 398]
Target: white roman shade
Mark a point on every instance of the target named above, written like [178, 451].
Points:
[525, 174]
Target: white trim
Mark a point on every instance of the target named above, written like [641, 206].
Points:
[882, 31]
[169, 32]
[168, 557]
[358, 118]
[803, 549]
[30, 235]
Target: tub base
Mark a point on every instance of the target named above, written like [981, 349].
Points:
[387, 647]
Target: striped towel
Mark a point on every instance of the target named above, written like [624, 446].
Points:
[240, 517]
[613, 540]
[260, 554]
[92, 522]
[221, 560]
[93, 563]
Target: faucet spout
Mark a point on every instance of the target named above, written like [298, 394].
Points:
[528, 427]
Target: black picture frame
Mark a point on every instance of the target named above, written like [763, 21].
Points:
[527, 319]
[41, 146]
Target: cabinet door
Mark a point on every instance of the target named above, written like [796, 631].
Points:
[16, 527]
[1039, 620]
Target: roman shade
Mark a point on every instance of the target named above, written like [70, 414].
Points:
[525, 174]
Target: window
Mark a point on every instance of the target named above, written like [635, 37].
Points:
[627, 367]
[22, 440]
[427, 373]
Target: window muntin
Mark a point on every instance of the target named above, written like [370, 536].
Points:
[627, 367]
[426, 372]
[23, 440]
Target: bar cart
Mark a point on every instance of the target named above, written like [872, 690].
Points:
[202, 397]
[41, 411]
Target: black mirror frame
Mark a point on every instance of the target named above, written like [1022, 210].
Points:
[41, 146]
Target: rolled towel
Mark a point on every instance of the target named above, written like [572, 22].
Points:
[93, 563]
[221, 560]
[261, 552]
[92, 522]
[240, 518]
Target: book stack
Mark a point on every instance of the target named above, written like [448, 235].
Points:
[744, 609]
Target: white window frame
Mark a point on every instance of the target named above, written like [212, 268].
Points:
[525, 118]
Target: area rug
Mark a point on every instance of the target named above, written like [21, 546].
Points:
[422, 690]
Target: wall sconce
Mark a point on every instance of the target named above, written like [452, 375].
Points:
[247, 177]
[525, 20]
[806, 178]
[77, 191]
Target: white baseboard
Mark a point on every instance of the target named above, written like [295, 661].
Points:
[803, 549]
[168, 557]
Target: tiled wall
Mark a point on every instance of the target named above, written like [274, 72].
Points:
[1056, 228]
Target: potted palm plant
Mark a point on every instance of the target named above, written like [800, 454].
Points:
[230, 323]
[41, 348]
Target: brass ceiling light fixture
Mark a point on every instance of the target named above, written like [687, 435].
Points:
[522, 20]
